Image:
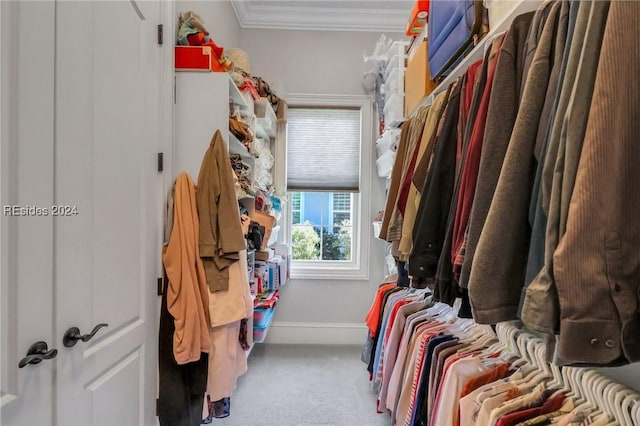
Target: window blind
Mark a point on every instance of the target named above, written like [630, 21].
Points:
[323, 149]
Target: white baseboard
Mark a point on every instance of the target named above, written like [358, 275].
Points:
[317, 333]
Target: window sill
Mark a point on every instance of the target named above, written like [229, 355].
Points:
[328, 272]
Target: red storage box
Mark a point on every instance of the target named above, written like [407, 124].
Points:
[196, 58]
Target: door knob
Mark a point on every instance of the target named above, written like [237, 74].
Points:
[36, 353]
[72, 335]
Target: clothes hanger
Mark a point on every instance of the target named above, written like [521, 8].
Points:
[611, 394]
[577, 393]
[558, 380]
[527, 344]
[598, 386]
[615, 409]
[636, 412]
[512, 332]
[630, 408]
[589, 404]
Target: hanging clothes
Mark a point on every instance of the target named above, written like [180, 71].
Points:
[221, 236]
[396, 177]
[495, 285]
[187, 293]
[540, 306]
[597, 262]
[501, 115]
[445, 290]
[183, 340]
[428, 233]
[453, 372]
[416, 182]
[225, 259]
[414, 141]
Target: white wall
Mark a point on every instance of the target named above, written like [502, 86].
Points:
[219, 19]
[323, 62]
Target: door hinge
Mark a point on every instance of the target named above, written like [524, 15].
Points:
[160, 33]
[160, 161]
[174, 90]
[157, 407]
[159, 289]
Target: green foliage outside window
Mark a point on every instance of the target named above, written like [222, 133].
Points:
[305, 242]
[335, 241]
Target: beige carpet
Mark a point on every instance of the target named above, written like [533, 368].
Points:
[290, 385]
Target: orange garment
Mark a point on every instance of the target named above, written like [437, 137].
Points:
[498, 372]
[373, 316]
[187, 292]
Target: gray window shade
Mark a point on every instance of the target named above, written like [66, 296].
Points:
[323, 149]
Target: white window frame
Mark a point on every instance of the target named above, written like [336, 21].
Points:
[358, 267]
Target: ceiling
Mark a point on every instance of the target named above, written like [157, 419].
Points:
[331, 15]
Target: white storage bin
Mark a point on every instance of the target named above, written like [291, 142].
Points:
[392, 64]
[388, 141]
[385, 163]
[266, 117]
[248, 99]
[393, 109]
[392, 85]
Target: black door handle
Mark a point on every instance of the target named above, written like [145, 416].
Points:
[36, 353]
[72, 335]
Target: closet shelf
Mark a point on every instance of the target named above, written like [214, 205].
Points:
[237, 99]
[261, 131]
[267, 127]
[236, 147]
[266, 117]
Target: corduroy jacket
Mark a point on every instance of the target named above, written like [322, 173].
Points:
[597, 262]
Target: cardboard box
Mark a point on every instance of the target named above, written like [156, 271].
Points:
[417, 81]
[265, 254]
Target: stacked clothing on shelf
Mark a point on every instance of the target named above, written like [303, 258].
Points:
[242, 171]
[430, 367]
[502, 193]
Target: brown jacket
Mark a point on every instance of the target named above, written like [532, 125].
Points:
[396, 178]
[540, 310]
[221, 236]
[597, 262]
[187, 293]
[497, 272]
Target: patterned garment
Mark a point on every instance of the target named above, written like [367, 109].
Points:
[244, 342]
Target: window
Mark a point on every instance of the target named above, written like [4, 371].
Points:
[328, 151]
[341, 207]
[320, 232]
[296, 208]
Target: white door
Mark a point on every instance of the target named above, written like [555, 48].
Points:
[26, 171]
[96, 261]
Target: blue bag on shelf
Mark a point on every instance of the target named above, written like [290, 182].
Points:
[453, 27]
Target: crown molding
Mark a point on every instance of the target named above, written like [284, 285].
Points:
[254, 15]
